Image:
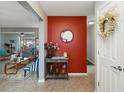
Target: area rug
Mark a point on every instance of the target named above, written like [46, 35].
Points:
[18, 76]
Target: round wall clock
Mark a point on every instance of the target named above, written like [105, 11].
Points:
[66, 35]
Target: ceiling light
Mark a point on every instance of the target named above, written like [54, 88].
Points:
[90, 22]
[22, 34]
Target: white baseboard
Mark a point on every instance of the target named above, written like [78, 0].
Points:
[77, 74]
[90, 61]
[41, 81]
[95, 90]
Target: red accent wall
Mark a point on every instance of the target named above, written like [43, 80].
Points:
[75, 49]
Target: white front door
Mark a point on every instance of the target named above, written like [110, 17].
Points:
[110, 57]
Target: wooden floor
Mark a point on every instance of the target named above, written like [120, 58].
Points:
[84, 83]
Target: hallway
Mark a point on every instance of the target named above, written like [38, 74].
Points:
[85, 83]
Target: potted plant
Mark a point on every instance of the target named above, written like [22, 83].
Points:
[51, 48]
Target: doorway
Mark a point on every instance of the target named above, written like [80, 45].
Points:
[91, 49]
[11, 40]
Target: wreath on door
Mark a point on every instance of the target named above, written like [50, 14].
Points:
[107, 24]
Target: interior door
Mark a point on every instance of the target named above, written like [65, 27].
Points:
[110, 56]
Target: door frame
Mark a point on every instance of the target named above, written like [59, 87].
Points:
[41, 31]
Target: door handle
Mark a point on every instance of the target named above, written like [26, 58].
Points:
[114, 67]
[119, 68]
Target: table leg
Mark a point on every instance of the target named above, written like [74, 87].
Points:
[16, 67]
[5, 69]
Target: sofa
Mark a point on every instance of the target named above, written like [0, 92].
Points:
[3, 54]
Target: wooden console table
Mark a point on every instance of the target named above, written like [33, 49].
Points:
[56, 67]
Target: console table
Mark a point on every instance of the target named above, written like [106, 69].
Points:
[56, 67]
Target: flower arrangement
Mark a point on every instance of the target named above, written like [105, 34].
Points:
[107, 24]
[51, 48]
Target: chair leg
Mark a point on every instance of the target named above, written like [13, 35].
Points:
[24, 73]
[37, 74]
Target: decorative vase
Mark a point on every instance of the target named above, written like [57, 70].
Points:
[49, 55]
[63, 70]
[51, 70]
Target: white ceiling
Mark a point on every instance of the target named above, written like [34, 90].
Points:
[12, 14]
[68, 8]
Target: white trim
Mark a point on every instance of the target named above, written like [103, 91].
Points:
[41, 52]
[77, 74]
[41, 81]
[95, 90]
[90, 61]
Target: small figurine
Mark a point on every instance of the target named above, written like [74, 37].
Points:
[51, 70]
[63, 71]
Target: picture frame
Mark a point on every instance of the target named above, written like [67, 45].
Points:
[12, 41]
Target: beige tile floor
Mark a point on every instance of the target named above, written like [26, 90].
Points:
[85, 83]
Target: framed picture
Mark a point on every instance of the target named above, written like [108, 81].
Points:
[12, 41]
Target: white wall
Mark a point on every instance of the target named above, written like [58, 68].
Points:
[38, 9]
[91, 43]
[7, 37]
[42, 37]
[91, 38]
[6, 29]
[2, 41]
[8, 34]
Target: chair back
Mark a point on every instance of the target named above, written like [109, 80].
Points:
[35, 66]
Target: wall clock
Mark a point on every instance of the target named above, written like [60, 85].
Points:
[67, 35]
